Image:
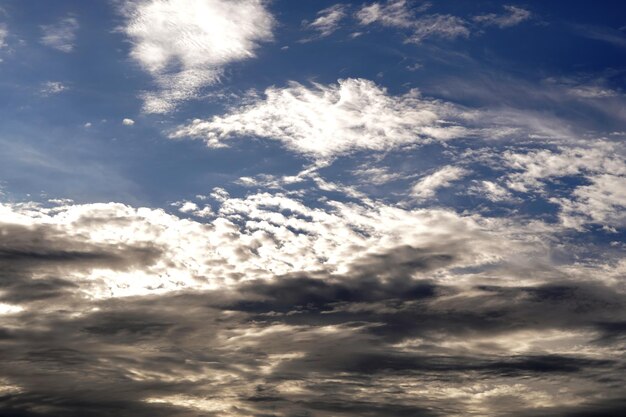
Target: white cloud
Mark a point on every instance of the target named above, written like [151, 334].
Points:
[443, 26]
[53, 87]
[4, 33]
[378, 175]
[393, 13]
[128, 122]
[184, 44]
[515, 16]
[601, 202]
[396, 13]
[427, 187]
[491, 191]
[61, 35]
[261, 236]
[328, 19]
[535, 167]
[329, 120]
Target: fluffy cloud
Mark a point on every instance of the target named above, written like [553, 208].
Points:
[128, 122]
[61, 35]
[427, 187]
[328, 19]
[185, 44]
[329, 120]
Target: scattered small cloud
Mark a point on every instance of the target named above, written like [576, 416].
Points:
[128, 122]
[53, 87]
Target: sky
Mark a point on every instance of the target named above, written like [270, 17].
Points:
[281, 208]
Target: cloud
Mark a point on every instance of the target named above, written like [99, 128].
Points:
[601, 202]
[128, 122]
[280, 307]
[185, 44]
[393, 13]
[328, 20]
[4, 34]
[53, 87]
[515, 16]
[325, 121]
[444, 26]
[398, 14]
[427, 187]
[61, 35]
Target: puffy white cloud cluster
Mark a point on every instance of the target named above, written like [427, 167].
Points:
[324, 121]
[184, 44]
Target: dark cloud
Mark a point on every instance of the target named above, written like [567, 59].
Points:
[304, 344]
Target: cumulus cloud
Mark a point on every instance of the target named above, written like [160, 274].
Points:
[61, 35]
[514, 16]
[128, 122]
[328, 20]
[427, 187]
[324, 121]
[185, 44]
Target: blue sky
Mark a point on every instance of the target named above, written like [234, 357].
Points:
[432, 160]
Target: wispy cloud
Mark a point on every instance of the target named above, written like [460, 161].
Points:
[514, 16]
[61, 35]
[328, 20]
[427, 187]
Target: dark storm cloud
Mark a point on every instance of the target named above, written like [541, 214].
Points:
[34, 261]
[111, 360]
[303, 344]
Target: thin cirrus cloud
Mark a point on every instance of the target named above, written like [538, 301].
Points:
[61, 35]
[399, 14]
[514, 16]
[185, 44]
[324, 121]
[402, 15]
[328, 20]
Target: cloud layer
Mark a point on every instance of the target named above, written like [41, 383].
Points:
[343, 309]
